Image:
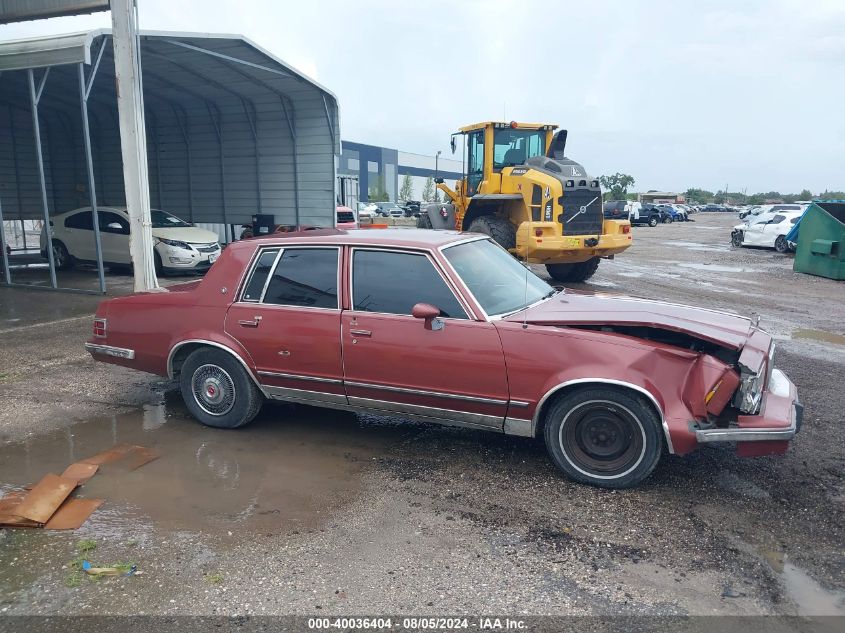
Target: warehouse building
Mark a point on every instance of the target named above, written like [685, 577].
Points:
[381, 170]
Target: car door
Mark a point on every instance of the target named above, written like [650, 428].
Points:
[288, 319]
[771, 230]
[753, 233]
[450, 369]
[77, 234]
[114, 238]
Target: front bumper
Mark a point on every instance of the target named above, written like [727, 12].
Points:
[769, 431]
[552, 248]
[183, 260]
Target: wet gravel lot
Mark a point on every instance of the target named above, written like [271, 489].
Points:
[312, 511]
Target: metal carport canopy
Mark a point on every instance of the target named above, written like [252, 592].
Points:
[232, 130]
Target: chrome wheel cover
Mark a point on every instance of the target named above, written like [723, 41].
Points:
[213, 389]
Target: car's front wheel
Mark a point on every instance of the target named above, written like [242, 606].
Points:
[217, 389]
[736, 238]
[604, 436]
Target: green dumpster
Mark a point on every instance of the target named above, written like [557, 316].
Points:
[820, 248]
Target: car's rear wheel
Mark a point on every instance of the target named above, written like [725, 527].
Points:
[781, 245]
[604, 436]
[500, 229]
[217, 389]
[573, 272]
[62, 257]
[652, 221]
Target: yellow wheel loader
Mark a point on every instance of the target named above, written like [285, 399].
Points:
[520, 189]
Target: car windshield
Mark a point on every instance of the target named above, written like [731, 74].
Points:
[499, 283]
[164, 220]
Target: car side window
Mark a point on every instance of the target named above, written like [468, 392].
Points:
[305, 277]
[777, 219]
[113, 223]
[81, 220]
[258, 278]
[394, 282]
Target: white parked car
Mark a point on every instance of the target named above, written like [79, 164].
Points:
[367, 210]
[771, 208]
[178, 245]
[766, 229]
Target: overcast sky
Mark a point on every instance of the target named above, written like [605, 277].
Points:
[676, 93]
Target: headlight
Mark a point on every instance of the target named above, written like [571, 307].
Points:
[176, 243]
[750, 393]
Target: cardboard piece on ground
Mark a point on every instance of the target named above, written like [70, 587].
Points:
[134, 456]
[72, 514]
[138, 456]
[45, 498]
[11, 500]
[112, 455]
[12, 520]
[80, 471]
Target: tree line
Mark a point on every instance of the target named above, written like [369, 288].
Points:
[616, 188]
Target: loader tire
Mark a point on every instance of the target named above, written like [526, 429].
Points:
[573, 272]
[502, 231]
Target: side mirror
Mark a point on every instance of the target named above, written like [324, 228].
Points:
[438, 180]
[453, 144]
[430, 313]
[114, 226]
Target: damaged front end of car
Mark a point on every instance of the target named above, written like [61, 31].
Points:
[763, 413]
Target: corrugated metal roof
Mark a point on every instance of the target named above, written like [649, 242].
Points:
[222, 115]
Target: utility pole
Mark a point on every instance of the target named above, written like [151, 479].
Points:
[133, 140]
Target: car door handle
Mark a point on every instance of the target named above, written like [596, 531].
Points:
[366, 333]
[250, 322]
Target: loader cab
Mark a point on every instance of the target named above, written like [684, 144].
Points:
[493, 146]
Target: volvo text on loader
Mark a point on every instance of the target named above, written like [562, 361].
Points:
[520, 189]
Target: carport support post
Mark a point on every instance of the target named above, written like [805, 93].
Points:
[89, 162]
[48, 231]
[133, 141]
[6, 273]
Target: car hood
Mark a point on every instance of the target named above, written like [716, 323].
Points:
[192, 234]
[576, 308]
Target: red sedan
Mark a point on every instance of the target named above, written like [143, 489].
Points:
[447, 327]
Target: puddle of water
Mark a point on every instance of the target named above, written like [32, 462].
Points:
[820, 335]
[290, 468]
[810, 597]
[716, 268]
[697, 246]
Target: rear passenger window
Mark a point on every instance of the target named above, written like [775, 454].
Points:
[256, 282]
[304, 277]
[82, 220]
[394, 282]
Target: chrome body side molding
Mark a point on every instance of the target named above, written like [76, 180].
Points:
[475, 420]
[422, 392]
[317, 398]
[110, 350]
[535, 421]
[276, 374]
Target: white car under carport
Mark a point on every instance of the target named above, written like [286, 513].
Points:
[768, 230]
[178, 245]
